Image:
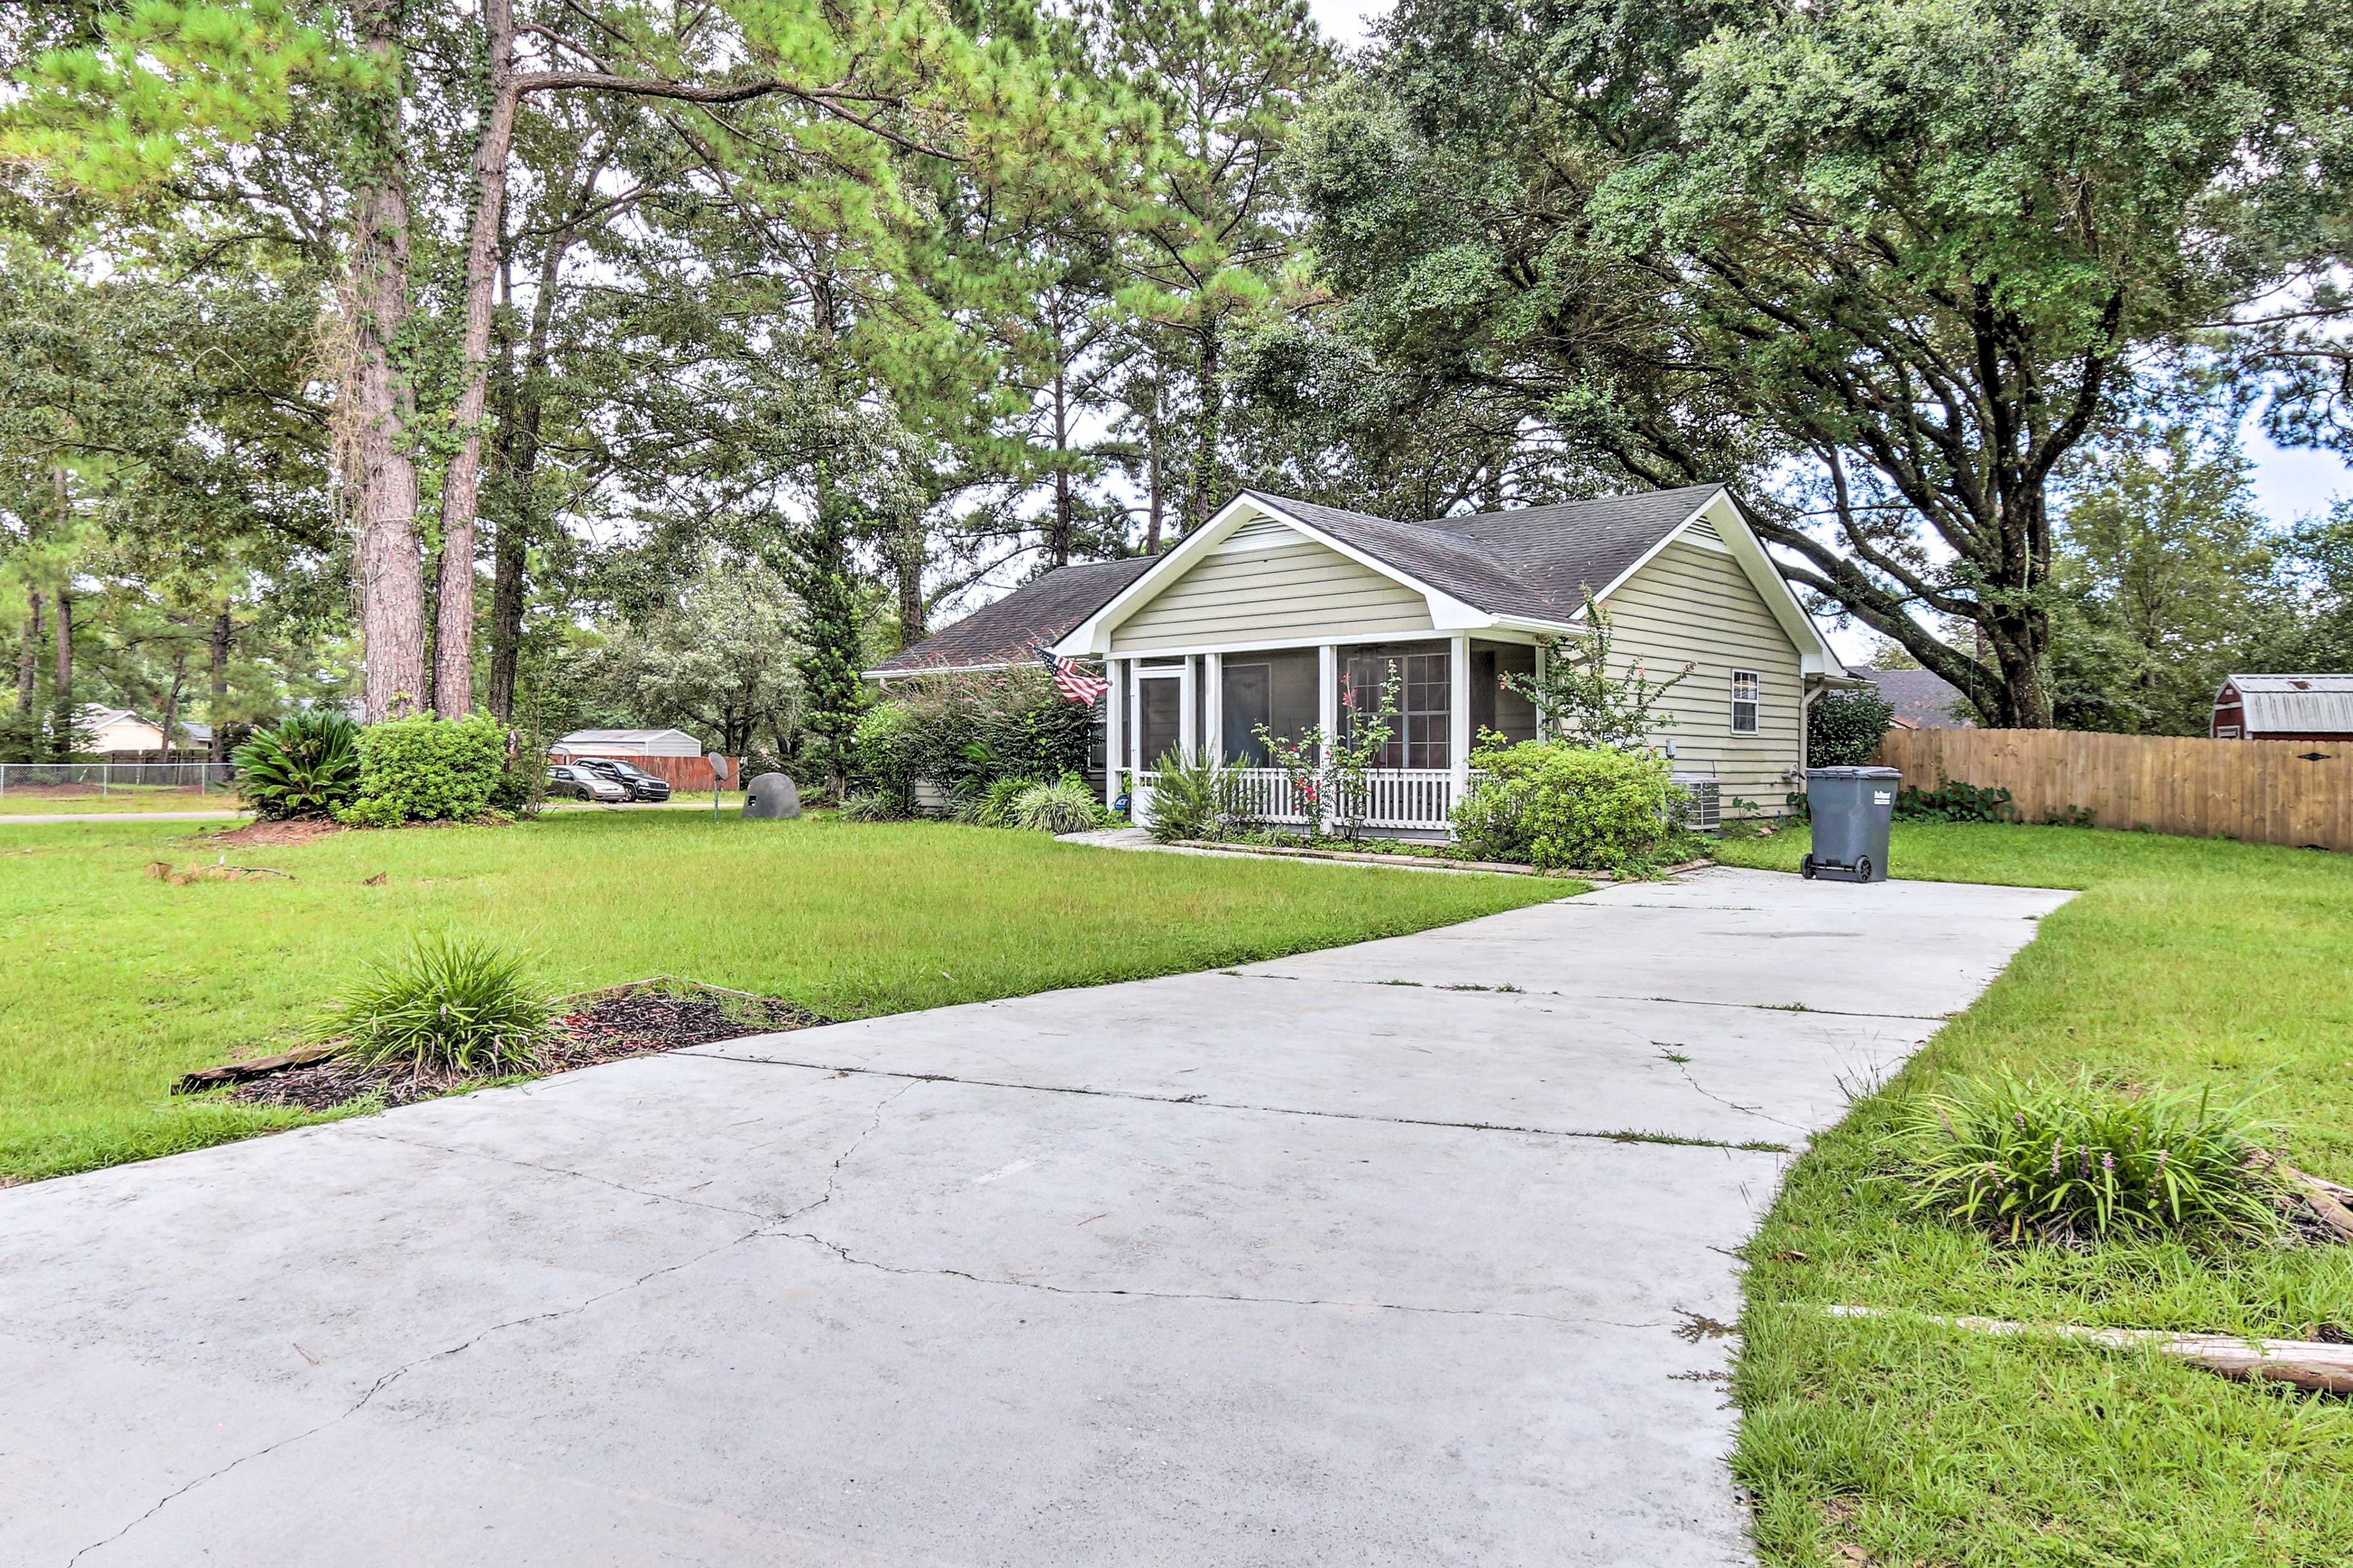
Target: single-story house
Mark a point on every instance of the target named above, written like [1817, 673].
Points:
[2284, 708]
[1264, 614]
[1922, 700]
[119, 731]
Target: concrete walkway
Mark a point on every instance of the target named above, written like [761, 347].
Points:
[1316, 1261]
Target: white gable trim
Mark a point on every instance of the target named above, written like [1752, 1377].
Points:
[1734, 536]
[1092, 637]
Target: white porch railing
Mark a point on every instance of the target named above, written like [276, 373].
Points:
[1414, 799]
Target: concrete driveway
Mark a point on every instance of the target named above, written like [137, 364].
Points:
[1325, 1260]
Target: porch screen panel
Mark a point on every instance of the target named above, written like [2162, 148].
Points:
[1159, 714]
[1249, 703]
[1507, 713]
[1425, 704]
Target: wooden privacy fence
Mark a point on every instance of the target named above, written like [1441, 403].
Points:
[2267, 792]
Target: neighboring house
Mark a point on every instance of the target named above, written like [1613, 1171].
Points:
[117, 731]
[670, 754]
[2284, 708]
[1922, 699]
[1265, 615]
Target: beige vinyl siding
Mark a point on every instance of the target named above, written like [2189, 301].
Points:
[1695, 605]
[1291, 587]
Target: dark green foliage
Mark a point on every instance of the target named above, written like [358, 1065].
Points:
[424, 769]
[832, 695]
[1953, 801]
[873, 805]
[519, 791]
[2076, 1163]
[961, 733]
[1554, 806]
[1843, 728]
[308, 766]
[452, 1007]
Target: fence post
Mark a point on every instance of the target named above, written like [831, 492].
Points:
[105, 780]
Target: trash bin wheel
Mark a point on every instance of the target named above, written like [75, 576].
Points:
[1863, 868]
[1806, 867]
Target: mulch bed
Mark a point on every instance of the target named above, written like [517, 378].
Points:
[272, 835]
[605, 1026]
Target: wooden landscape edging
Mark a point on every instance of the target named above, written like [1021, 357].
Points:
[2296, 793]
[2314, 1364]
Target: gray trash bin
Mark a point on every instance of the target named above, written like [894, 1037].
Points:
[1851, 810]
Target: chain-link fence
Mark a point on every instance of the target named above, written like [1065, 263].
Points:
[106, 778]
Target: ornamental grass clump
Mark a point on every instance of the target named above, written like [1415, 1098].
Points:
[2074, 1162]
[451, 1008]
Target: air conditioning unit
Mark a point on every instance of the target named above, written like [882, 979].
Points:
[1702, 810]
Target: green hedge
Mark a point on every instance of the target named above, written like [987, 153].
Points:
[426, 770]
[1555, 806]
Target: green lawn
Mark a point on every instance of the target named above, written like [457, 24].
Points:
[124, 799]
[116, 983]
[2184, 964]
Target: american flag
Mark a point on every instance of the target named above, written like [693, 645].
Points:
[1071, 680]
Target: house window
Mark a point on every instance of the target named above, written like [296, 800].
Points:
[1425, 704]
[1747, 690]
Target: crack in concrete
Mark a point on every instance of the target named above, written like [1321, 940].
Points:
[833, 1175]
[389, 1378]
[561, 1171]
[1606, 1135]
[1683, 1066]
[846, 1256]
[1534, 991]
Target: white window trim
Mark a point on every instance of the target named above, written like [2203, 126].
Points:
[1755, 680]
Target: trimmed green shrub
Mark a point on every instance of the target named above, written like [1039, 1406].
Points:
[1952, 801]
[1066, 805]
[1555, 806]
[426, 770]
[452, 1007]
[2074, 1163]
[306, 766]
[1843, 728]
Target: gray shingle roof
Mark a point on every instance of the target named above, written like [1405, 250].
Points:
[1003, 631]
[1535, 563]
[1922, 699]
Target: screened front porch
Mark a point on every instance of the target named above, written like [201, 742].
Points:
[1230, 702]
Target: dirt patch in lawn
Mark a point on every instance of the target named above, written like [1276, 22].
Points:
[602, 1027]
[270, 835]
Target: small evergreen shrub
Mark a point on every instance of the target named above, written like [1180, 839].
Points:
[1843, 728]
[873, 806]
[1195, 796]
[1066, 805]
[425, 769]
[1952, 801]
[306, 766]
[1556, 806]
[452, 1007]
[2074, 1162]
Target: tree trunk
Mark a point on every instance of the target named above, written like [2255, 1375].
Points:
[1203, 502]
[216, 750]
[1058, 542]
[518, 454]
[61, 669]
[388, 558]
[28, 661]
[453, 633]
[908, 557]
[171, 718]
[1155, 468]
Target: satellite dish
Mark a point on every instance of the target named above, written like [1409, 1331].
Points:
[718, 766]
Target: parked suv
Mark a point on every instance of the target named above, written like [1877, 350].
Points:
[641, 785]
[583, 783]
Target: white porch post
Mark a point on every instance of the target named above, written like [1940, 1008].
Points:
[1327, 697]
[1114, 728]
[1213, 706]
[1188, 705]
[1458, 718]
